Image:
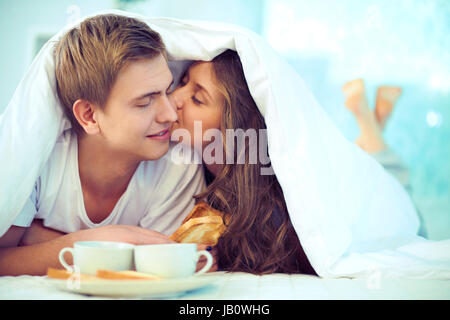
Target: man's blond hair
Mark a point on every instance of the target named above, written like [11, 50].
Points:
[89, 57]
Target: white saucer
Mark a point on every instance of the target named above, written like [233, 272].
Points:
[164, 288]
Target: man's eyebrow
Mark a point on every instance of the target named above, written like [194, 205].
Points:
[149, 94]
[145, 95]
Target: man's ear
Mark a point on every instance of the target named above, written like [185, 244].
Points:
[84, 112]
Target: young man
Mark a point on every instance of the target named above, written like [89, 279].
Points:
[112, 80]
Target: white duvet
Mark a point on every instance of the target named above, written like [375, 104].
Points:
[352, 218]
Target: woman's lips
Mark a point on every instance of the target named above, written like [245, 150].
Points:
[162, 135]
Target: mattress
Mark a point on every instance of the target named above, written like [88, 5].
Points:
[245, 286]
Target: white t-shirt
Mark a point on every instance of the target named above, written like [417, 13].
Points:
[158, 197]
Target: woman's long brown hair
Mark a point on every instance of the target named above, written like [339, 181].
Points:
[259, 238]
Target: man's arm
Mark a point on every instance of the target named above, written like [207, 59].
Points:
[12, 237]
[30, 260]
[38, 233]
[35, 259]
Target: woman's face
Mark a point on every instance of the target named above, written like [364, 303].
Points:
[197, 98]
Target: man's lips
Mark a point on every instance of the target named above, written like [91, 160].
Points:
[161, 134]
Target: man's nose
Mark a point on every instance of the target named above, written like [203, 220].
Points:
[176, 98]
[167, 111]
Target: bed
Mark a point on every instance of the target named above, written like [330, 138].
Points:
[245, 286]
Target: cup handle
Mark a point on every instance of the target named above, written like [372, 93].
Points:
[61, 258]
[209, 261]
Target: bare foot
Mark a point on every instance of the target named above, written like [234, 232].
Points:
[371, 139]
[356, 100]
[386, 98]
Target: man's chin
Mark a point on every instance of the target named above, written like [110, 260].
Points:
[157, 153]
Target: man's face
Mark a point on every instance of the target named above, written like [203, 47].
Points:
[136, 119]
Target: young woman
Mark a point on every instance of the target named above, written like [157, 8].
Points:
[259, 237]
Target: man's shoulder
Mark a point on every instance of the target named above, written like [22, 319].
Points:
[61, 148]
[56, 165]
[63, 144]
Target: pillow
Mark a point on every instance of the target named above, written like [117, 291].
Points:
[351, 216]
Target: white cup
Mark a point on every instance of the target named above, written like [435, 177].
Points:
[88, 256]
[175, 260]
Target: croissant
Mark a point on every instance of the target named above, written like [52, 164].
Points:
[203, 225]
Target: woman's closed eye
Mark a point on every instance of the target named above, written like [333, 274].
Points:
[184, 81]
[196, 101]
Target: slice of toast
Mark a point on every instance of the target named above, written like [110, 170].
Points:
[101, 275]
[203, 225]
[64, 274]
[125, 275]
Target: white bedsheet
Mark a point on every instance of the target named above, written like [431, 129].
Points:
[353, 219]
[244, 286]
